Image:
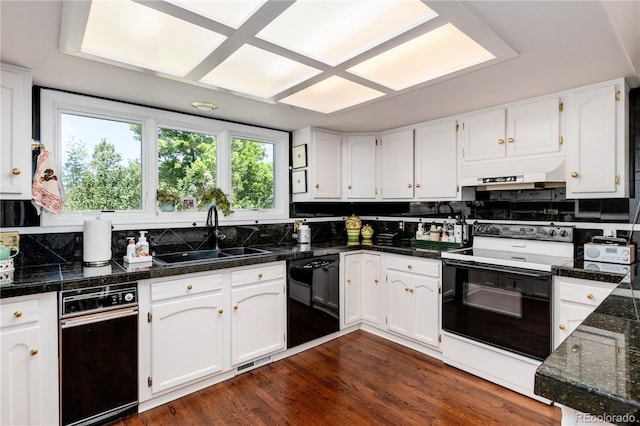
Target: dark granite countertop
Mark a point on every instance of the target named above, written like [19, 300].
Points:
[67, 276]
[596, 370]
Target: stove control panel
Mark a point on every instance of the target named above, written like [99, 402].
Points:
[527, 232]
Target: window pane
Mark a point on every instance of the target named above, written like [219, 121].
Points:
[101, 163]
[252, 174]
[186, 162]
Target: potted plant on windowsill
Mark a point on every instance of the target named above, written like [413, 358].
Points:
[216, 197]
[167, 199]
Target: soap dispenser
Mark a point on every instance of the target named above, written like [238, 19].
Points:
[131, 248]
[142, 248]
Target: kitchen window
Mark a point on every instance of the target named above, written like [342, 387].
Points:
[114, 156]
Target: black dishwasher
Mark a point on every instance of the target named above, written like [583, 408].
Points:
[98, 354]
[313, 299]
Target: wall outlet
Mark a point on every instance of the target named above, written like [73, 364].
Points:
[10, 239]
[401, 225]
[608, 232]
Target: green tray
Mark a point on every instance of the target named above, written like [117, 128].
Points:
[434, 245]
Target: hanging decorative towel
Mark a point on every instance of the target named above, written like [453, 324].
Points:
[47, 189]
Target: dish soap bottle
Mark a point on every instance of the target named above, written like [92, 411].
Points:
[142, 248]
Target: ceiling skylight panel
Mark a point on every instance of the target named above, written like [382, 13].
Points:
[228, 12]
[442, 51]
[256, 72]
[330, 95]
[335, 31]
[133, 34]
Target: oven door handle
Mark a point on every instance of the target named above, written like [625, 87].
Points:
[497, 268]
[97, 317]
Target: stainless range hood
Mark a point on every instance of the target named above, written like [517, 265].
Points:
[509, 174]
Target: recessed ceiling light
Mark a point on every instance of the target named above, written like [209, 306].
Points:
[439, 52]
[330, 95]
[256, 72]
[137, 35]
[203, 106]
[335, 31]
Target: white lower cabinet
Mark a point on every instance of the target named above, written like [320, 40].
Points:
[412, 295]
[352, 287]
[199, 326]
[186, 330]
[29, 360]
[395, 293]
[371, 289]
[574, 300]
[362, 289]
[258, 317]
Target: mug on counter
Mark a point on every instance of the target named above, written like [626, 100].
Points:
[5, 252]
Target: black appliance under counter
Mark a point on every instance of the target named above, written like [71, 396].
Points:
[596, 370]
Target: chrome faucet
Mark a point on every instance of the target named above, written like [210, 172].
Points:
[216, 233]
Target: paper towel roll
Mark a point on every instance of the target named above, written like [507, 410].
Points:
[96, 244]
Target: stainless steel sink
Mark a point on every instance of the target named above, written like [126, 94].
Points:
[202, 256]
[189, 257]
[243, 251]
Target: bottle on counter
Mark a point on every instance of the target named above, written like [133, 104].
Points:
[142, 247]
[131, 248]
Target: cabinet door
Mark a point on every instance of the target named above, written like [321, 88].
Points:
[360, 176]
[570, 317]
[425, 309]
[592, 145]
[397, 165]
[352, 288]
[371, 290]
[483, 136]
[186, 339]
[435, 162]
[534, 128]
[20, 385]
[15, 131]
[257, 321]
[326, 173]
[398, 302]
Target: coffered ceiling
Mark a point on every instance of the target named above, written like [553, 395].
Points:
[342, 65]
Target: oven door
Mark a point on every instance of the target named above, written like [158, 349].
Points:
[505, 307]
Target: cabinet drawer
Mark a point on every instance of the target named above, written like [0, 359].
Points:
[585, 294]
[186, 286]
[17, 313]
[416, 266]
[258, 273]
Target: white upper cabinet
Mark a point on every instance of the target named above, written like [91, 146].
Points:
[397, 165]
[597, 142]
[15, 142]
[324, 163]
[436, 171]
[482, 136]
[360, 167]
[525, 129]
[534, 128]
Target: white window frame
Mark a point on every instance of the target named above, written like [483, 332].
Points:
[53, 103]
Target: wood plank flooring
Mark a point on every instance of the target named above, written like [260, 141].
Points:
[357, 379]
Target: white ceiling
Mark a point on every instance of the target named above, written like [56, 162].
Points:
[558, 45]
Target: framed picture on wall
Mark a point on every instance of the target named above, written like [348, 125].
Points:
[299, 181]
[188, 203]
[299, 156]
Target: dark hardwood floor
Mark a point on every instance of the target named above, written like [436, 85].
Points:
[354, 380]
